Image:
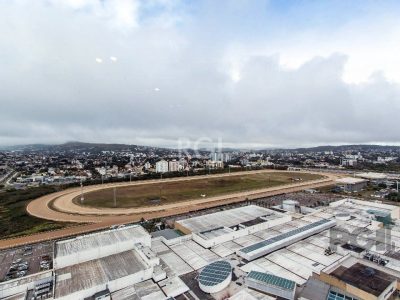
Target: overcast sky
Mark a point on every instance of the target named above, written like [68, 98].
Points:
[248, 73]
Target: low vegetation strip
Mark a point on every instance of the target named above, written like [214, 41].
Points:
[14, 219]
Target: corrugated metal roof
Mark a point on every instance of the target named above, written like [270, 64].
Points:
[226, 218]
[97, 272]
[100, 239]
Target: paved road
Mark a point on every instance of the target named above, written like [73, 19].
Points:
[7, 177]
[41, 207]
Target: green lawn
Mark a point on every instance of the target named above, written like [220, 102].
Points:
[170, 192]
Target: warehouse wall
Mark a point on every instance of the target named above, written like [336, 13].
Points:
[269, 289]
[16, 286]
[113, 286]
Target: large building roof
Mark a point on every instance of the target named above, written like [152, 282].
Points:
[168, 233]
[372, 175]
[364, 277]
[350, 180]
[227, 218]
[98, 240]
[283, 236]
[97, 272]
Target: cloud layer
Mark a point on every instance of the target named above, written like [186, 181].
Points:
[155, 71]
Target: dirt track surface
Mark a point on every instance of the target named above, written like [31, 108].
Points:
[59, 206]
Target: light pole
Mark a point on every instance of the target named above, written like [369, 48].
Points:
[82, 197]
[115, 196]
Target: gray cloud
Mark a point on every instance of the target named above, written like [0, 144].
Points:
[52, 89]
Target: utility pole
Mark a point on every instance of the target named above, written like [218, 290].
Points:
[130, 177]
[115, 196]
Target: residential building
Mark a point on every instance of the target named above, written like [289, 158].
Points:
[173, 166]
[162, 166]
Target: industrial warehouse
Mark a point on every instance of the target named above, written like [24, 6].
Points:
[349, 249]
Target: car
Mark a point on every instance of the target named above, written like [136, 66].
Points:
[28, 253]
[21, 273]
[22, 267]
[17, 261]
[11, 273]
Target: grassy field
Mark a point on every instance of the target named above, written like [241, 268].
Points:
[14, 219]
[170, 192]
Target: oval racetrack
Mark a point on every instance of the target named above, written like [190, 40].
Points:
[60, 207]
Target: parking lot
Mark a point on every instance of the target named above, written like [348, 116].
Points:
[25, 261]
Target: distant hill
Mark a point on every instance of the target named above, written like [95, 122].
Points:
[340, 148]
[91, 147]
[98, 147]
[81, 146]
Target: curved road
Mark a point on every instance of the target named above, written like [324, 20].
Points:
[59, 206]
